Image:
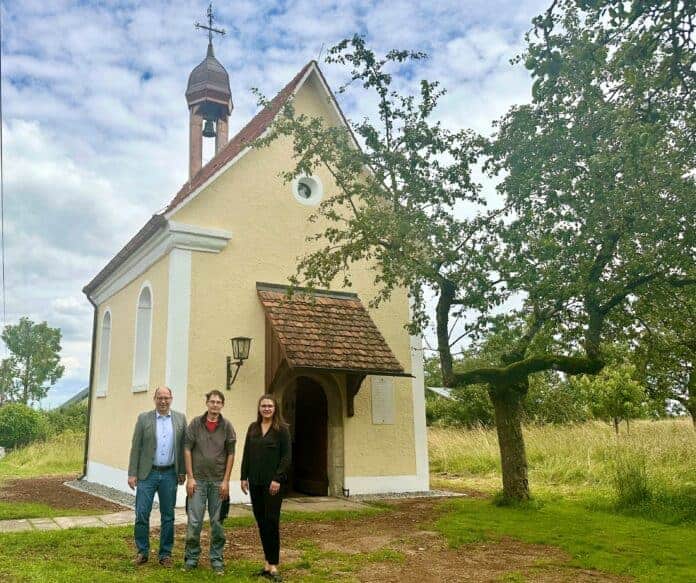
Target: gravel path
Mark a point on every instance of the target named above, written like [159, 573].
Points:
[105, 493]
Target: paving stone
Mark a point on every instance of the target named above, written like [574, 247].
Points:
[239, 510]
[44, 524]
[15, 525]
[305, 504]
[118, 518]
[79, 521]
[322, 506]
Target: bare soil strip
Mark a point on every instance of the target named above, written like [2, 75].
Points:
[50, 490]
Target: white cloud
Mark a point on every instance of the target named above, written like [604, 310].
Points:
[95, 120]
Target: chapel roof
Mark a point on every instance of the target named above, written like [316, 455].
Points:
[250, 132]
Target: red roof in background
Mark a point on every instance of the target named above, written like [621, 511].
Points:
[327, 330]
[253, 130]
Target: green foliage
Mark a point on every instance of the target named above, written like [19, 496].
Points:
[20, 424]
[34, 365]
[665, 354]
[469, 407]
[614, 394]
[551, 401]
[71, 418]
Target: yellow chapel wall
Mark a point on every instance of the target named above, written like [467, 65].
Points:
[269, 228]
[113, 416]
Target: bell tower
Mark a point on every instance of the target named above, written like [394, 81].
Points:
[209, 100]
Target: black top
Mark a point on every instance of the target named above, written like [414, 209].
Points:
[266, 457]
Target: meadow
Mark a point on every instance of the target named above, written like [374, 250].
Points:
[62, 454]
[649, 470]
[603, 506]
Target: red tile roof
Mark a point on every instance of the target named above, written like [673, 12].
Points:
[329, 330]
[253, 130]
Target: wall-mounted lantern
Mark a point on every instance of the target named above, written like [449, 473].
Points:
[240, 352]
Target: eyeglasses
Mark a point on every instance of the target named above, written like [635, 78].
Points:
[163, 398]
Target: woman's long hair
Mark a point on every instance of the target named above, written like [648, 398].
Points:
[277, 422]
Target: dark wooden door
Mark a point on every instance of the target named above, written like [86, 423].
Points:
[310, 444]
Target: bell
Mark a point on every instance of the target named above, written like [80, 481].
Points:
[208, 129]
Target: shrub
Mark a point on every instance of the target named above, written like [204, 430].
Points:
[20, 424]
[631, 482]
[72, 418]
[471, 407]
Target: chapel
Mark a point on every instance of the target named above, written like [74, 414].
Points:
[197, 300]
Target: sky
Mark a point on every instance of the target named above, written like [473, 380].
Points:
[95, 123]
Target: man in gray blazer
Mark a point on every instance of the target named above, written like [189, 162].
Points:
[156, 465]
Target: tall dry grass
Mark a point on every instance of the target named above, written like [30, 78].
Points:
[61, 454]
[569, 458]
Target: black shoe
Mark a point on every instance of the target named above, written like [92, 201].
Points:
[262, 573]
[140, 559]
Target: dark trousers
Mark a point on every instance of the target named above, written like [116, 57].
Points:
[267, 514]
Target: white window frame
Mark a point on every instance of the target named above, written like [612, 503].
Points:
[315, 186]
[141, 379]
[104, 354]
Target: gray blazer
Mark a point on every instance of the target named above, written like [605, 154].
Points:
[145, 441]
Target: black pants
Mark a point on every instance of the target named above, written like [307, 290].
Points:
[267, 514]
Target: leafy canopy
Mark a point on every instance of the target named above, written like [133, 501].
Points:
[34, 362]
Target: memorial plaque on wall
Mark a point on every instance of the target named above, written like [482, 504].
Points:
[382, 400]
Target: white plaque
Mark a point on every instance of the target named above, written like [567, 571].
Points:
[382, 400]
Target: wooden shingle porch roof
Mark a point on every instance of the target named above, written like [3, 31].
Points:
[324, 330]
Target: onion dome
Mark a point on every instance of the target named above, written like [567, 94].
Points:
[209, 85]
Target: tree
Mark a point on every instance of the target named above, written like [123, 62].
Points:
[598, 177]
[8, 381]
[666, 350]
[598, 187]
[614, 394]
[34, 365]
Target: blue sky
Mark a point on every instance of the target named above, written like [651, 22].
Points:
[95, 120]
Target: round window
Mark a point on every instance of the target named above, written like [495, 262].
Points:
[307, 189]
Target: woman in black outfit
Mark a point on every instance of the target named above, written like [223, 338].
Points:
[265, 463]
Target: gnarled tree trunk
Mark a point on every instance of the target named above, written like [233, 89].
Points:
[507, 403]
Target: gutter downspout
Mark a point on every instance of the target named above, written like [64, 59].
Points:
[91, 387]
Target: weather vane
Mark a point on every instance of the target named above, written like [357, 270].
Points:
[210, 28]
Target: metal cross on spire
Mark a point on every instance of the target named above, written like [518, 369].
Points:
[210, 28]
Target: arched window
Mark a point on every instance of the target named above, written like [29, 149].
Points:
[143, 334]
[104, 355]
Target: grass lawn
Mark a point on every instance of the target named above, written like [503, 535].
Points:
[598, 540]
[573, 476]
[105, 554]
[12, 510]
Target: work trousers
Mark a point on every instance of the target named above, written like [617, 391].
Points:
[207, 493]
[267, 514]
[164, 484]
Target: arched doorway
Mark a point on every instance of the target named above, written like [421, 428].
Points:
[307, 412]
